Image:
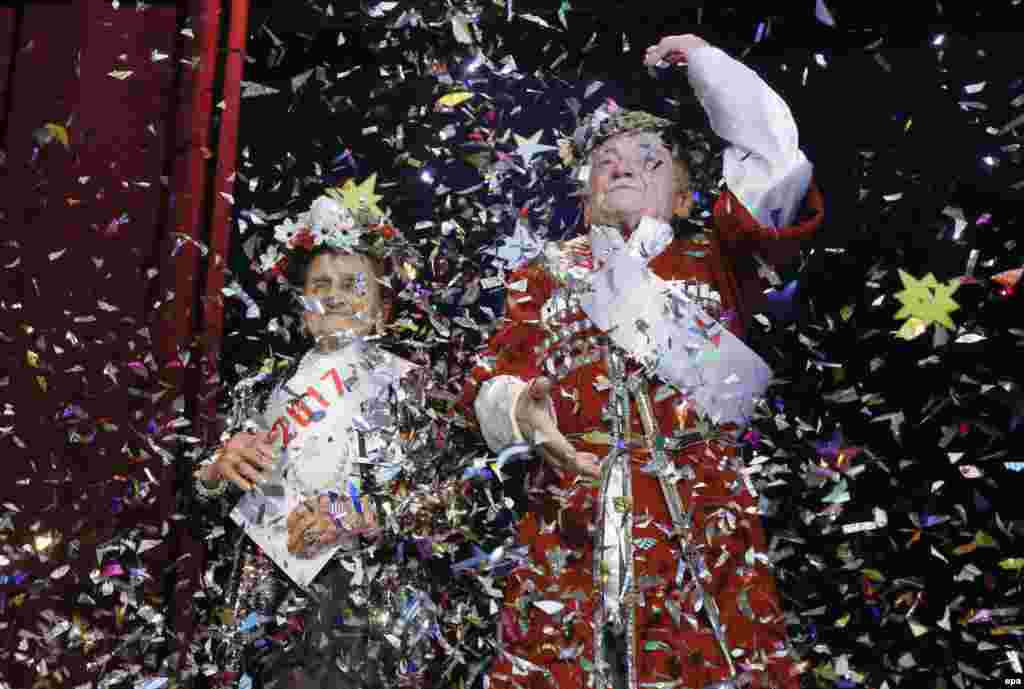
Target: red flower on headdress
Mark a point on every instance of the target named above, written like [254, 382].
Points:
[303, 239]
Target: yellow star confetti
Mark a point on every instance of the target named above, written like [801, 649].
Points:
[532, 139]
[925, 301]
[529, 146]
[361, 197]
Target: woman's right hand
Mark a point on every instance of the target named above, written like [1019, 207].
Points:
[246, 460]
[537, 424]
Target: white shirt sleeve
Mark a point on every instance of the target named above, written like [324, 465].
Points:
[495, 410]
[764, 166]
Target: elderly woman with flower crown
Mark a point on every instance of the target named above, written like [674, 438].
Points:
[296, 449]
[620, 361]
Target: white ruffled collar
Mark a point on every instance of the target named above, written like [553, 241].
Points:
[650, 238]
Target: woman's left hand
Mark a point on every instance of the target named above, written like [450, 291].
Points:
[673, 49]
[312, 527]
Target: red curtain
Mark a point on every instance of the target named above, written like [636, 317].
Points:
[119, 131]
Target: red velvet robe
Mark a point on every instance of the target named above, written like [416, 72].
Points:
[561, 512]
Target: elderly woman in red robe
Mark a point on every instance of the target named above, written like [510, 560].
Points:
[621, 362]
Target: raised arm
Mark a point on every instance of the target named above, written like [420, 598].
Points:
[742, 108]
[764, 167]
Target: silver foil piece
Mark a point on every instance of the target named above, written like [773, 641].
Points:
[615, 627]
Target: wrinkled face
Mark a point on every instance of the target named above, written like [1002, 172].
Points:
[347, 288]
[632, 175]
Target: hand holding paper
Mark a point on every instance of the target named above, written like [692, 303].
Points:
[321, 522]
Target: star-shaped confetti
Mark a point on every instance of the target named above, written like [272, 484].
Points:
[523, 246]
[531, 146]
[361, 197]
[926, 300]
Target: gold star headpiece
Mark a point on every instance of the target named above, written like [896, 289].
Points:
[346, 218]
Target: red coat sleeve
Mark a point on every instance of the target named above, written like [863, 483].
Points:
[738, 236]
[512, 350]
[740, 231]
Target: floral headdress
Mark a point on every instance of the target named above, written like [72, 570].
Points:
[345, 219]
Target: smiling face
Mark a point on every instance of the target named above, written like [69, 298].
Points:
[347, 287]
[633, 175]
